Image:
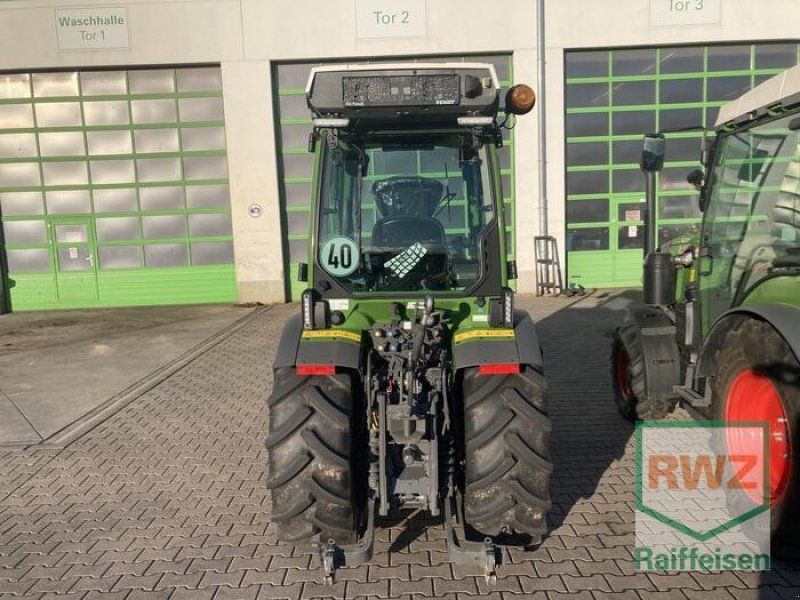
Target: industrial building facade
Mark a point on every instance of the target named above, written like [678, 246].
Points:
[155, 152]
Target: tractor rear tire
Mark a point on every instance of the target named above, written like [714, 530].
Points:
[756, 366]
[507, 453]
[310, 453]
[629, 377]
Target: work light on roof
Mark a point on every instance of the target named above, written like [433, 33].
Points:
[475, 121]
[333, 123]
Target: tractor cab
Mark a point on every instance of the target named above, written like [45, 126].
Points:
[404, 213]
[407, 181]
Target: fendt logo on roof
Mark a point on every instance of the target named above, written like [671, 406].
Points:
[699, 505]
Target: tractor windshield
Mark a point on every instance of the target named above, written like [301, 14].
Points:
[753, 214]
[404, 213]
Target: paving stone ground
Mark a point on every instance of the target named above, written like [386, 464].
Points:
[166, 499]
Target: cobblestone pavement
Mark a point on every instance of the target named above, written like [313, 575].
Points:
[166, 499]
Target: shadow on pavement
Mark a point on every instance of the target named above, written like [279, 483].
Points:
[592, 446]
[588, 434]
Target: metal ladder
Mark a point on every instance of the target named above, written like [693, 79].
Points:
[548, 269]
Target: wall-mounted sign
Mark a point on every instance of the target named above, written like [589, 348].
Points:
[391, 18]
[90, 28]
[684, 12]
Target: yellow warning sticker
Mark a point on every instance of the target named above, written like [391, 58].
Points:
[350, 336]
[484, 333]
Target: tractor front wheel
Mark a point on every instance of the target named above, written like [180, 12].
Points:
[758, 380]
[629, 377]
[507, 453]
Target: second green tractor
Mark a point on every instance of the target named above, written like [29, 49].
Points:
[719, 330]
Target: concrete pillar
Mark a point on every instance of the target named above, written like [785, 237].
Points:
[556, 170]
[526, 173]
[252, 165]
[526, 166]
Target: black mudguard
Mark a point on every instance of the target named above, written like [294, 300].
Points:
[662, 358]
[286, 356]
[523, 349]
[293, 351]
[784, 318]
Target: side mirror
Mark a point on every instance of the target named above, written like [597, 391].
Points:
[302, 272]
[696, 178]
[653, 150]
[511, 269]
[357, 165]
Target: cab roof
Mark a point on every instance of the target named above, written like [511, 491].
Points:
[403, 93]
[779, 92]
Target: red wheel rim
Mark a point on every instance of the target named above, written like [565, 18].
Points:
[753, 398]
[621, 372]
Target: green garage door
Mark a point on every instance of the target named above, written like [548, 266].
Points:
[614, 97]
[114, 188]
[295, 163]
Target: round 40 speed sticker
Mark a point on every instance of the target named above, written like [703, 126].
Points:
[339, 256]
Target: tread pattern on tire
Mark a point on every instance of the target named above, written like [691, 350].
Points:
[309, 457]
[753, 344]
[637, 406]
[507, 452]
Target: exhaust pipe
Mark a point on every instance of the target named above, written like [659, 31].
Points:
[659, 269]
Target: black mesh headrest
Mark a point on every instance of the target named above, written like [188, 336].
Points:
[407, 195]
[401, 232]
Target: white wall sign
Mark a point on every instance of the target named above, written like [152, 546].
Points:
[684, 12]
[391, 18]
[89, 28]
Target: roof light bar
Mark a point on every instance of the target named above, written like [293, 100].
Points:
[475, 121]
[329, 122]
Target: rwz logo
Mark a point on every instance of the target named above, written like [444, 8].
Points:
[702, 496]
[688, 472]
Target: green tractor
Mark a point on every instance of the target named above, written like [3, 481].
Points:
[719, 329]
[408, 381]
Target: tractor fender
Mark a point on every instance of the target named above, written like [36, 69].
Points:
[286, 356]
[784, 318]
[523, 349]
[291, 351]
[659, 347]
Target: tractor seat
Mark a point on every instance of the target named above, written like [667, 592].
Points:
[396, 245]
